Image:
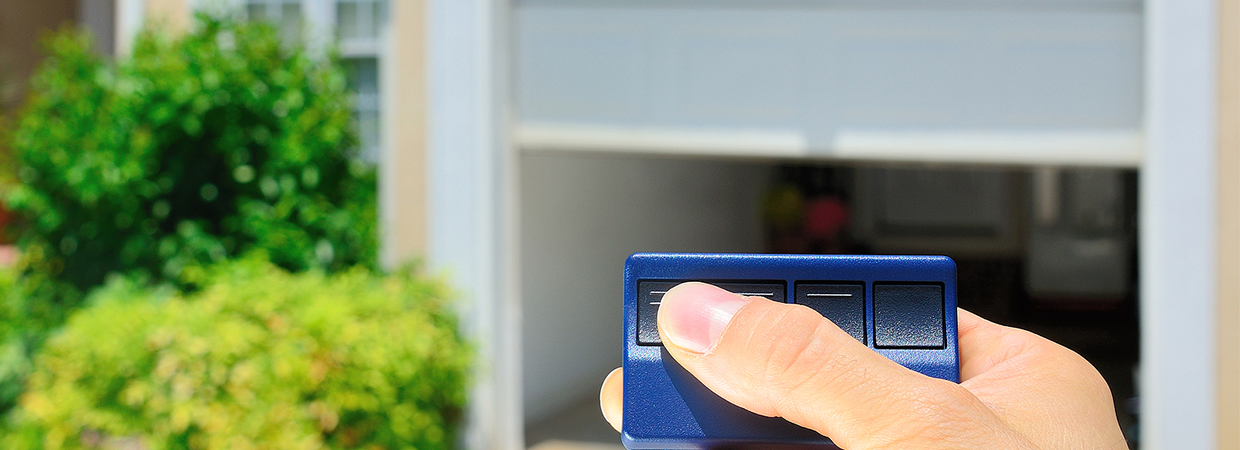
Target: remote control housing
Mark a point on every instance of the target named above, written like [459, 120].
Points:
[913, 322]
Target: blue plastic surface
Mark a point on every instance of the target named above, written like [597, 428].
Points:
[665, 407]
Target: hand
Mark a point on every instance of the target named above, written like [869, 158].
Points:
[1019, 390]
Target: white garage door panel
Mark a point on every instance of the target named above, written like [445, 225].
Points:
[820, 74]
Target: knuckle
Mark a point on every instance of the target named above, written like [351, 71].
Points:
[1074, 368]
[1087, 376]
[796, 343]
[804, 357]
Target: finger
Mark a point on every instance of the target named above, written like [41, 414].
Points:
[983, 344]
[777, 359]
[988, 349]
[611, 398]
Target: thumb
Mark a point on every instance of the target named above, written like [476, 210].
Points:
[778, 359]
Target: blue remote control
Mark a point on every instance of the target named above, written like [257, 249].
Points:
[903, 307]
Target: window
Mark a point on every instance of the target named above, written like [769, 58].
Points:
[364, 82]
[285, 14]
[360, 23]
[359, 29]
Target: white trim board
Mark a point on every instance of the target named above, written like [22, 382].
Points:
[1179, 227]
[470, 204]
[673, 141]
[129, 17]
[1122, 148]
[1112, 148]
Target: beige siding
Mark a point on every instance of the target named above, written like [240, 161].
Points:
[403, 172]
[1229, 227]
[173, 14]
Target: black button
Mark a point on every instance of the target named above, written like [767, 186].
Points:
[908, 316]
[650, 296]
[843, 303]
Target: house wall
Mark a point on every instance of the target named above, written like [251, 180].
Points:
[22, 25]
[99, 16]
[173, 14]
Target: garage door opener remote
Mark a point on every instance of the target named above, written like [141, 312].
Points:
[903, 307]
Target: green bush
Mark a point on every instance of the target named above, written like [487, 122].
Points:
[192, 151]
[189, 152]
[26, 317]
[257, 359]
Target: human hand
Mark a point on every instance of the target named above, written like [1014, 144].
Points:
[1018, 390]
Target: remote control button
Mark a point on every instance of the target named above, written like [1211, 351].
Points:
[650, 296]
[842, 303]
[908, 316]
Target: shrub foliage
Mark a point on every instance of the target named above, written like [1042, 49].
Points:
[191, 151]
[258, 359]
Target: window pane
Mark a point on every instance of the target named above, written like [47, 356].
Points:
[358, 25]
[364, 75]
[364, 83]
[365, 19]
[379, 19]
[368, 135]
[291, 22]
[346, 20]
[256, 11]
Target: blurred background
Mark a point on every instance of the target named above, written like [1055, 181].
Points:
[1079, 159]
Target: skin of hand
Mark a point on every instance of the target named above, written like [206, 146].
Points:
[1018, 390]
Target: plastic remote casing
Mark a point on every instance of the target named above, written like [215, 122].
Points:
[665, 407]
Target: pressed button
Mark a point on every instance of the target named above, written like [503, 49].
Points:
[842, 303]
[650, 296]
[908, 315]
